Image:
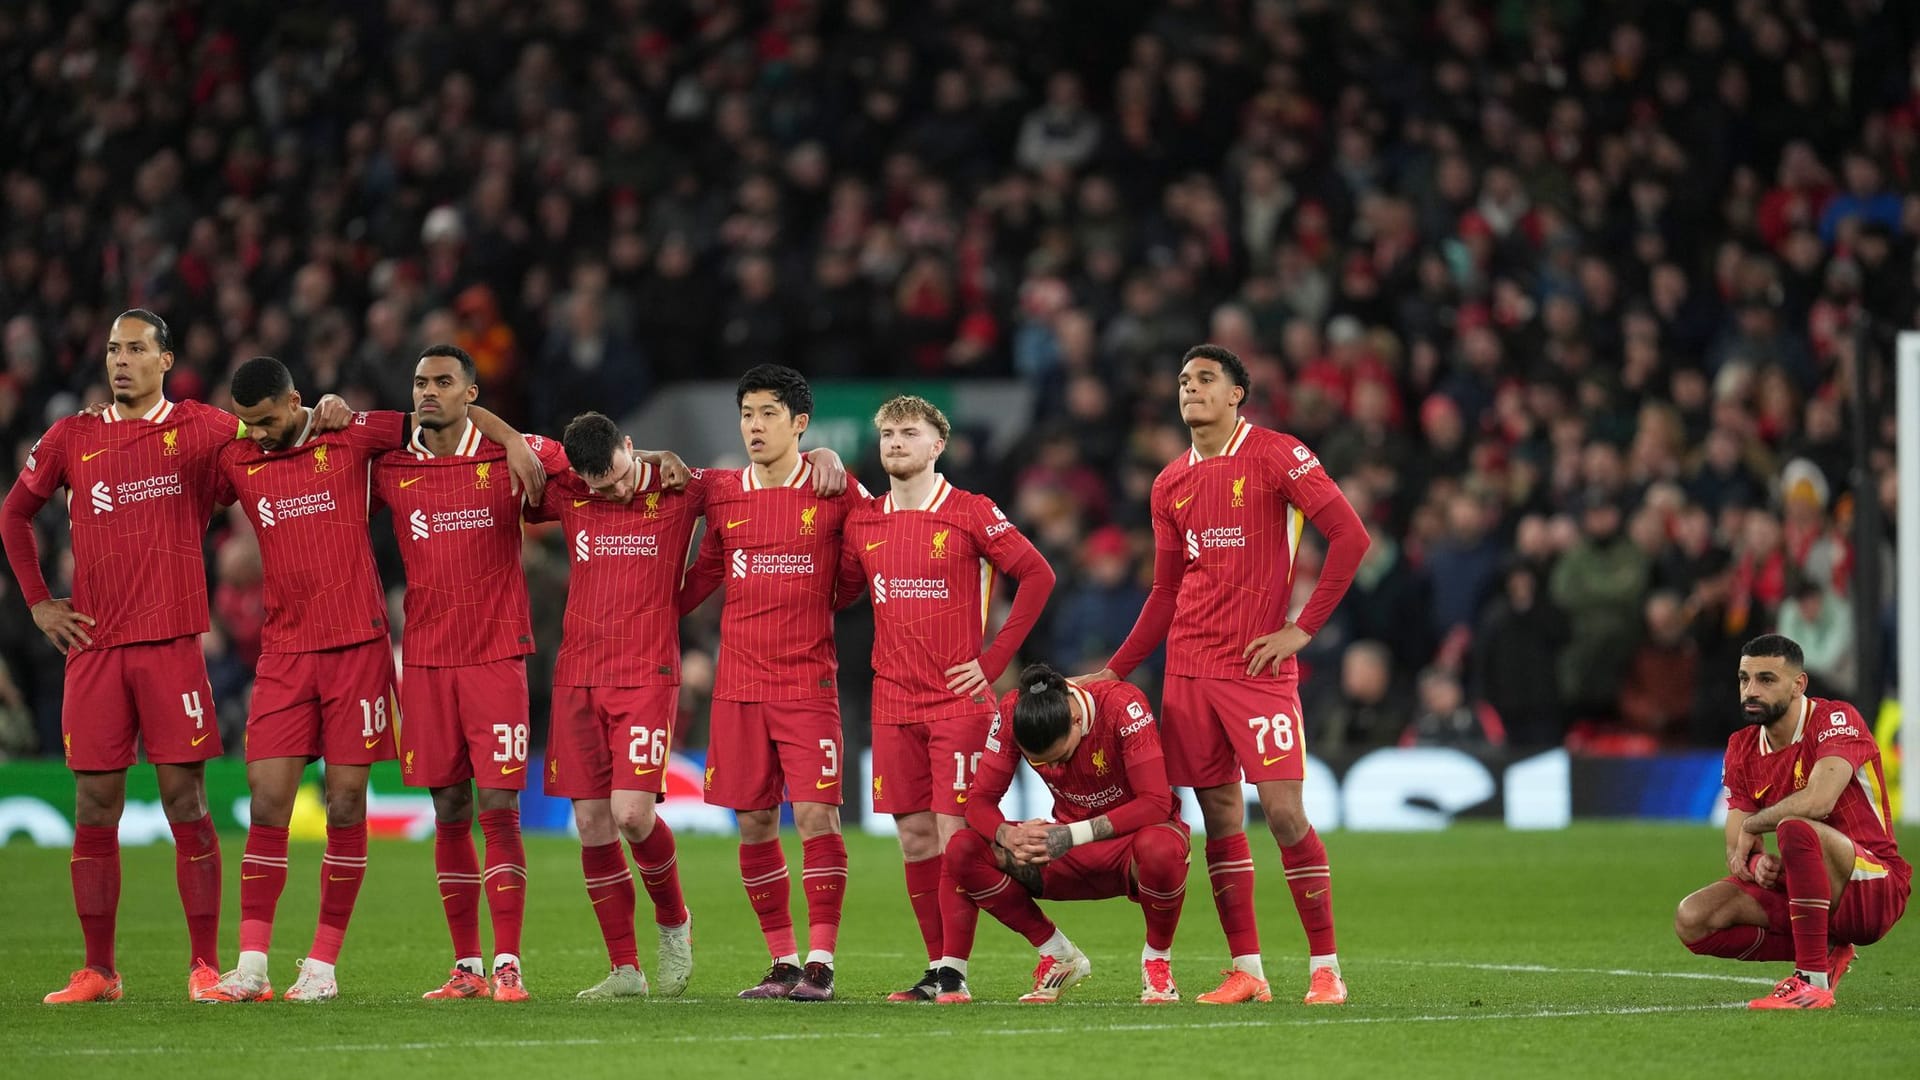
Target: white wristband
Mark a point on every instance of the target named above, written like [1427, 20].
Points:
[1080, 832]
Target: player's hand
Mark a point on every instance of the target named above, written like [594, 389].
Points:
[63, 626]
[1274, 648]
[331, 413]
[1764, 869]
[524, 471]
[1105, 674]
[1028, 842]
[967, 678]
[1743, 846]
[96, 409]
[674, 474]
[829, 472]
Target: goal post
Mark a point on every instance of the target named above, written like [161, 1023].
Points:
[1907, 569]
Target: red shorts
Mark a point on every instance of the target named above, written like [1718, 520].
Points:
[1100, 870]
[930, 766]
[756, 750]
[338, 704]
[1872, 901]
[157, 689]
[465, 723]
[610, 738]
[1217, 730]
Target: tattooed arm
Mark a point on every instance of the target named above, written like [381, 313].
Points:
[1061, 838]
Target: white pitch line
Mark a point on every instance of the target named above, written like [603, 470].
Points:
[1542, 969]
[811, 1036]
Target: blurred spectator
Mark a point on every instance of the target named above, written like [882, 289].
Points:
[1365, 711]
[1656, 696]
[1598, 584]
[1516, 659]
[1822, 623]
[1095, 612]
[1444, 717]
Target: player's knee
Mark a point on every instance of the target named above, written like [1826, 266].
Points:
[346, 808]
[1688, 923]
[453, 805]
[98, 807]
[1289, 826]
[967, 848]
[1797, 834]
[1162, 854]
[634, 820]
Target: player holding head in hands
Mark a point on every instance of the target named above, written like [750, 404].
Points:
[465, 640]
[139, 475]
[324, 687]
[927, 552]
[1808, 771]
[1116, 828]
[1227, 519]
[774, 540]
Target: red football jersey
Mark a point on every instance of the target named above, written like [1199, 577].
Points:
[1238, 517]
[1104, 769]
[622, 626]
[1758, 774]
[777, 549]
[139, 493]
[308, 506]
[458, 524]
[930, 571]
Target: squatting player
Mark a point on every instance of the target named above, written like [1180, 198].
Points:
[324, 685]
[1116, 827]
[927, 552]
[467, 633]
[1227, 519]
[1808, 771]
[143, 469]
[773, 538]
[616, 685]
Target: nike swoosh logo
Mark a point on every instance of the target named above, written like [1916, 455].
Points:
[251, 877]
[918, 895]
[505, 888]
[197, 858]
[78, 858]
[959, 798]
[371, 743]
[1275, 760]
[409, 482]
[449, 896]
[602, 900]
[578, 503]
[822, 785]
[1221, 889]
[642, 772]
[1166, 907]
[200, 739]
[1316, 895]
[504, 771]
[335, 877]
[90, 457]
[1178, 503]
[1762, 791]
[251, 469]
[875, 544]
[737, 524]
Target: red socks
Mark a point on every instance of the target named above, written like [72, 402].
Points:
[95, 869]
[979, 884]
[263, 876]
[923, 892]
[824, 876]
[1230, 868]
[1160, 857]
[763, 873]
[1311, 881]
[342, 869]
[659, 871]
[1809, 893]
[610, 887]
[196, 870]
[457, 870]
[1745, 943]
[506, 879]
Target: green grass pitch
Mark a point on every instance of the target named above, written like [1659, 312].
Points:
[1472, 952]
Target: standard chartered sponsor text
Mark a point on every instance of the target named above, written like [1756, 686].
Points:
[917, 588]
[153, 487]
[293, 506]
[782, 564]
[626, 544]
[462, 520]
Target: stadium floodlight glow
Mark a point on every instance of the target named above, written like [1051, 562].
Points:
[1907, 569]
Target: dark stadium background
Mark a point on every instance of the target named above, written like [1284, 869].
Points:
[1588, 306]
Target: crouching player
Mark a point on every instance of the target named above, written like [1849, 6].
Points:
[1116, 828]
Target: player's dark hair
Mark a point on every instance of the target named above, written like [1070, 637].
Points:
[1777, 645]
[258, 379]
[1225, 357]
[161, 335]
[590, 440]
[467, 369]
[1041, 713]
[787, 386]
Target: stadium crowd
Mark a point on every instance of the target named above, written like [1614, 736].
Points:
[1569, 296]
